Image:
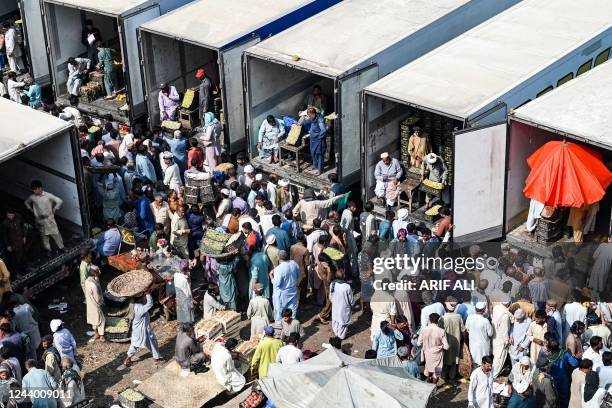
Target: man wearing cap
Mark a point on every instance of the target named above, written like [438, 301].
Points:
[401, 222]
[248, 177]
[266, 352]
[519, 342]
[204, 93]
[434, 169]
[480, 331]
[285, 195]
[168, 101]
[225, 206]
[63, 341]
[502, 321]
[317, 134]
[522, 397]
[388, 171]
[172, 173]
[259, 311]
[284, 283]
[545, 392]
[161, 212]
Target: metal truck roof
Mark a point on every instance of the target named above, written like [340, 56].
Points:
[474, 69]
[22, 127]
[351, 32]
[109, 7]
[231, 19]
[580, 108]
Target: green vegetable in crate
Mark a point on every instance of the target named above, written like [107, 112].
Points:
[116, 325]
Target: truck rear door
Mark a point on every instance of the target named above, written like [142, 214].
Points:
[131, 58]
[478, 183]
[232, 89]
[350, 121]
[34, 37]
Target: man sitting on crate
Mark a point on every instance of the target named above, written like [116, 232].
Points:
[271, 132]
[387, 173]
[188, 351]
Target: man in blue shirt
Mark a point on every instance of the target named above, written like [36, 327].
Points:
[146, 219]
[108, 244]
[317, 134]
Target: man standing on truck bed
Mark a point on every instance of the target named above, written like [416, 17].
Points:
[205, 95]
[44, 206]
[105, 58]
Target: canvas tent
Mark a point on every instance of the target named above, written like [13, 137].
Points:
[333, 379]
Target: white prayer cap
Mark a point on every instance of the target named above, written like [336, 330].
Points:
[431, 158]
[283, 183]
[525, 361]
[521, 386]
[519, 313]
[177, 134]
[481, 306]
[402, 214]
[55, 324]
[248, 169]
[147, 142]
[384, 155]
[402, 351]
[259, 177]
[270, 239]
[167, 155]
[450, 306]
[505, 299]
[225, 191]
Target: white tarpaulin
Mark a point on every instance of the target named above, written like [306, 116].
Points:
[333, 379]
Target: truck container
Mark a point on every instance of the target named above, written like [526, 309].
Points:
[344, 49]
[578, 112]
[34, 40]
[117, 21]
[174, 46]
[8, 7]
[46, 149]
[460, 94]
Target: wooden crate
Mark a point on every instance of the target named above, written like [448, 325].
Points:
[189, 118]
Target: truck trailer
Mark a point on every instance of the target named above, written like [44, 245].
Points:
[174, 46]
[342, 50]
[117, 21]
[461, 92]
[47, 149]
[578, 112]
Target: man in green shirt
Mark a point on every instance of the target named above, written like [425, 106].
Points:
[86, 259]
[105, 56]
[266, 352]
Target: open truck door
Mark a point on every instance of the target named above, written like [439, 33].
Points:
[347, 148]
[479, 183]
[132, 59]
[232, 87]
[34, 38]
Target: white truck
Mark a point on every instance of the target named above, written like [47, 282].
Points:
[344, 49]
[117, 21]
[38, 146]
[465, 88]
[174, 46]
[578, 112]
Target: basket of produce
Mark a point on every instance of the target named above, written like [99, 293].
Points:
[131, 283]
[117, 329]
[433, 184]
[171, 125]
[214, 242]
[130, 398]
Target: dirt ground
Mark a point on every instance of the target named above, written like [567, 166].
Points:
[105, 375]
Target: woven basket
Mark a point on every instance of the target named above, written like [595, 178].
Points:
[131, 283]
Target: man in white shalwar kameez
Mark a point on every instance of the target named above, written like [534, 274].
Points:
[480, 391]
[341, 297]
[535, 335]
[142, 331]
[598, 280]
[13, 49]
[44, 205]
[223, 366]
[184, 298]
[502, 321]
[479, 331]
[430, 308]
[573, 311]
[518, 336]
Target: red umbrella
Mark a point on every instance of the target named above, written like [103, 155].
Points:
[566, 175]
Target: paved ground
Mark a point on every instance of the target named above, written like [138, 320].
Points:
[105, 375]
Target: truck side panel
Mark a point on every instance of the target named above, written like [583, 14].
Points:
[35, 40]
